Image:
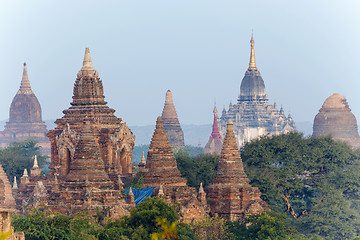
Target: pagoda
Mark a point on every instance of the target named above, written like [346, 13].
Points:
[162, 173]
[113, 139]
[253, 116]
[230, 195]
[214, 145]
[25, 120]
[171, 122]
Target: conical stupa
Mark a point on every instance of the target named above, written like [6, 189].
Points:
[171, 122]
[230, 195]
[214, 145]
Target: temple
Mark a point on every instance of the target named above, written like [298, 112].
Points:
[7, 206]
[171, 122]
[25, 121]
[162, 173]
[112, 136]
[230, 195]
[214, 145]
[336, 119]
[253, 116]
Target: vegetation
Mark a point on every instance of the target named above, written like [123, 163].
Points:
[199, 169]
[313, 180]
[20, 155]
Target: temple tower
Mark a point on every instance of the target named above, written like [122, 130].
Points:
[162, 173]
[113, 139]
[25, 119]
[336, 119]
[87, 186]
[253, 116]
[230, 195]
[214, 145]
[171, 122]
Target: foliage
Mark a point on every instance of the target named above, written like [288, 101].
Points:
[18, 156]
[198, 169]
[267, 225]
[5, 235]
[314, 180]
[142, 222]
[169, 230]
[210, 228]
[136, 182]
[39, 224]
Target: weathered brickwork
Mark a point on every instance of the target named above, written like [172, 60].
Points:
[171, 122]
[230, 195]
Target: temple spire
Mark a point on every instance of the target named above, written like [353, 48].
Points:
[252, 63]
[87, 63]
[25, 83]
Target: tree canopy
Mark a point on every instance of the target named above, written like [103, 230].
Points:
[20, 155]
[314, 180]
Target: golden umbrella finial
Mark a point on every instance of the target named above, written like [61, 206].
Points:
[252, 64]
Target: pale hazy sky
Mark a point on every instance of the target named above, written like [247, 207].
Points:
[199, 49]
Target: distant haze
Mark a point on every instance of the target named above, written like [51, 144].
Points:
[305, 51]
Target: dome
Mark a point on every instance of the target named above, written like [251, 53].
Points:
[335, 101]
[335, 118]
[252, 86]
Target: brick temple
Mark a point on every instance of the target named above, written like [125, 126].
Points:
[230, 195]
[336, 119]
[171, 122]
[7, 206]
[113, 138]
[253, 116]
[25, 118]
[161, 172]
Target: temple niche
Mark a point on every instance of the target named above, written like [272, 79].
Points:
[336, 119]
[113, 138]
[253, 116]
[25, 120]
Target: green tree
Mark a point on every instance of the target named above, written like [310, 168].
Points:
[20, 155]
[314, 180]
[199, 169]
[142, 222]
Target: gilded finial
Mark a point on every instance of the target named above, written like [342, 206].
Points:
[252, 64]
[215, 110]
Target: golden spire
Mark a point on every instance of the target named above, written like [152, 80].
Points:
[252, 64]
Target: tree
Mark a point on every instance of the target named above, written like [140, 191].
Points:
[20, 155]
[199, 169]
[143, 221]
[314, 180]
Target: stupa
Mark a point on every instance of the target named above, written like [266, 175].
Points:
[230, 195]
[162, 173]
[253, 116]
[25, 118]
[336, 119]
[214, 145]
[171, 122]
